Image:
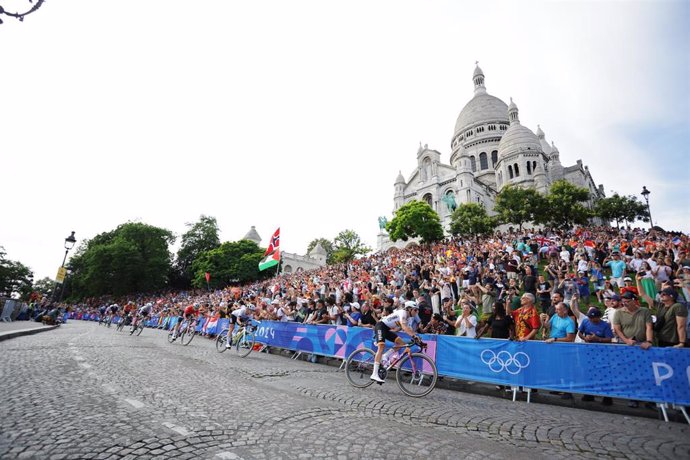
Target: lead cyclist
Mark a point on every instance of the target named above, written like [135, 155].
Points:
[383, 332]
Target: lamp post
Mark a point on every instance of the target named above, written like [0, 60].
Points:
[645, 194]
[69, 244]
[31, 7]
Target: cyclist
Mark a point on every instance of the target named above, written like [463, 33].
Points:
[112, 310]
[141, 315]
[241, 316]
[103, 311]
[189, 314]
[383, 331]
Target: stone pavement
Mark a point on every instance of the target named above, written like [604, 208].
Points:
[85, 391]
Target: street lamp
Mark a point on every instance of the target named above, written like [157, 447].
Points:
[31, 8]
[69, 244]
[645, 194]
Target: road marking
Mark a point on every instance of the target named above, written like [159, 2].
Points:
[135, 403]
[228, 456]
[177, 429]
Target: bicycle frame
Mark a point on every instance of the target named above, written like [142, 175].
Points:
[407, 351]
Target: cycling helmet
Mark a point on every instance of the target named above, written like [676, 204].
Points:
[410, 304]
[196, 306]
[252, 308]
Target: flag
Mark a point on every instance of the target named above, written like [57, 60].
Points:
[270, 260]
[274, 243]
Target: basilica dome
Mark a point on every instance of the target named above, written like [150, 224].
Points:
[483, 107]
[517, 137]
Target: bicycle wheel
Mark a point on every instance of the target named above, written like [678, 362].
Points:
[186, 339]
[140, 327]
[245, 344]
[416, 375]
[120, 325]
[170, 335]
[221, 341]
[359, 367]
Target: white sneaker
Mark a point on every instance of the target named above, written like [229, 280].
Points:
[227, 345]
[376, 378]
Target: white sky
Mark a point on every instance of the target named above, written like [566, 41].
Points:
[300, 114]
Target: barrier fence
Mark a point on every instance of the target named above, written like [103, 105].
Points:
[660, 375]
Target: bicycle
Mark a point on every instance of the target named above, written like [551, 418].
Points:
[243, 340]
[123, 322]
[138, 327]
[416, 373]
[188, 331]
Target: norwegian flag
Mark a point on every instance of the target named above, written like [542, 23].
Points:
[274, 243]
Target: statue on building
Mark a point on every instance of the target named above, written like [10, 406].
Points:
[449, 199]
[383, 221]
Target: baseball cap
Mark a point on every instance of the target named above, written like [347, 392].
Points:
[628, 295]
[627, 278]
[355, 305]
[615, 297]
[594, 313]
[686, 267]
[445, 299]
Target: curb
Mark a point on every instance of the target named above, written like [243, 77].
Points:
[22, 332]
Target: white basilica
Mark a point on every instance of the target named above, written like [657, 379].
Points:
[490, 149]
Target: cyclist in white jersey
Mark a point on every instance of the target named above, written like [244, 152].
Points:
[239, 316]
[382, 332]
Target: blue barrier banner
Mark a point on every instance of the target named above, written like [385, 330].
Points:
[326, 340]
[657, 374]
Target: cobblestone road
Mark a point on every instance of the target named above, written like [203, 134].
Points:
[84, 391]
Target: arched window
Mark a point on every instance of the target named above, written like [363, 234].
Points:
[529, 168]
[494, 158]
[483, 161]
[510, 172]
[534, 166]
[429, 200]
[426, 169]
[473, 163]
[500, 178]
[517, 170]
[469, 197]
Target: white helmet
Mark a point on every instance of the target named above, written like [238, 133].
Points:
[410, 304]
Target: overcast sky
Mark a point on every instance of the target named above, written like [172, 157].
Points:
[300, 114]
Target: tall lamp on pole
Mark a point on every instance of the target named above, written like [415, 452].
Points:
[645, 194]
[69, 244]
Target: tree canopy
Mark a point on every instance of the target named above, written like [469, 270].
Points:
[517, 206]
[564, 206]
[621, 209]
[200, 237]
[471, 219]
[16, 278]
[415, 219]
[231, 262]
[132, 258]
[348, 245]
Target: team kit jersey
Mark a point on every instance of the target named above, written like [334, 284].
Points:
[395, 319]
[189, 311]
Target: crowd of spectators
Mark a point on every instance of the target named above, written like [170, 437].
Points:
[597, 284]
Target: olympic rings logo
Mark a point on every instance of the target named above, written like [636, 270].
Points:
[504, 361]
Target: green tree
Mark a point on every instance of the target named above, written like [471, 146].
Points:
[327, 245]
[621, 209]
[517, 206]
[202, 236]
[16, 278]
[415, 219]
[471, 219]
[132, 258]
[44, 286]
[348, 245]
[564, 206]
[229, 263]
